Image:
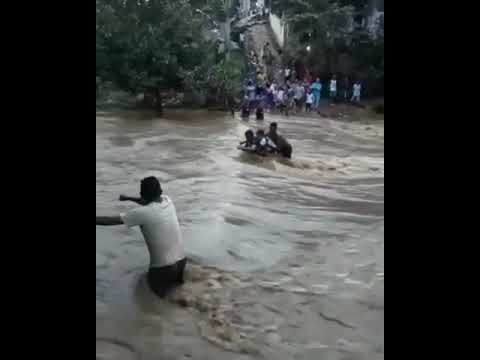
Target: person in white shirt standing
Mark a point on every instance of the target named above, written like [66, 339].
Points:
[333, 87]
[280, 100]
[242, 40]
[310, 100]
[287, 73]
[357, 89]
[157, 219]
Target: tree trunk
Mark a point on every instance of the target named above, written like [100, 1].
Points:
[158, 101]
[146, 99]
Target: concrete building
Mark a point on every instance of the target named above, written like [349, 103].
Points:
[279, 28]
[245, 8]
[260, 3]
[371, 16]
[248, 6]
[375, 15]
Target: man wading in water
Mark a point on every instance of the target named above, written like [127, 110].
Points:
[284, 148]
[158, 222]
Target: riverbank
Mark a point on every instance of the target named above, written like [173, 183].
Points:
[123, 101]
[117, 100]
[368, 111]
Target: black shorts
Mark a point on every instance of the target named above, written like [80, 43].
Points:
[162, 279]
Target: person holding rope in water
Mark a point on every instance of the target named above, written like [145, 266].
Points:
[157, 219]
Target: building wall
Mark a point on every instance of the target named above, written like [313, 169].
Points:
[279, 29]
[245, 6]
[372, 20]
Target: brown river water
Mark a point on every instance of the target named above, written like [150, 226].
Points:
[287, 256]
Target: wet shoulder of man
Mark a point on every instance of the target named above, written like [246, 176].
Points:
[281, 141]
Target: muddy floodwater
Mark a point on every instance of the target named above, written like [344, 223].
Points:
[287, 257]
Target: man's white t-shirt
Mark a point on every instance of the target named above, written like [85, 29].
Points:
[161, 230]
[266, 141]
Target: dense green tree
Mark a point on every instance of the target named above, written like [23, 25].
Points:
[151, 45]
[335, 43]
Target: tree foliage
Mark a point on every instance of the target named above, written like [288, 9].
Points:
[141, 42]
[328, 27]
[154, 43]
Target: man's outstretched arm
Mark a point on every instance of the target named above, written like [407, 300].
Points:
[109, 220]
[137, 200]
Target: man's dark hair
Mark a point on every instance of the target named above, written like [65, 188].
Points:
[273, 125]
[150, 189]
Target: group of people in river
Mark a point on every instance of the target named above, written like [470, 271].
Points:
[157, 218]
[269, 143]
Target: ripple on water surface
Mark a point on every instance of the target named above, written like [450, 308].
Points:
[305, 236]
[110, 349]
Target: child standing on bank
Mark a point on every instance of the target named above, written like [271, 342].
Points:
[357, 89]
[310, 100]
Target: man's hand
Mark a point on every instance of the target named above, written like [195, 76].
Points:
[123, 198]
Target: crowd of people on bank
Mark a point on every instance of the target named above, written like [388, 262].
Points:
[286, 92]
[294, 95]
